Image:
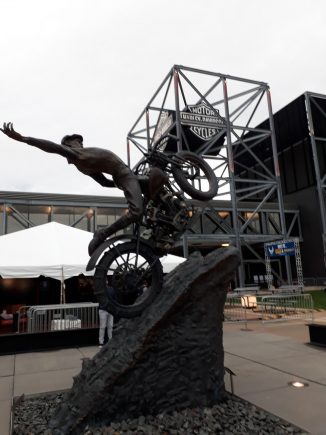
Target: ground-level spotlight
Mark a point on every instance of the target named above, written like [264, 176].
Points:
[298, 384]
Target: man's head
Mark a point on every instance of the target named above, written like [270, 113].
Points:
[73, 141]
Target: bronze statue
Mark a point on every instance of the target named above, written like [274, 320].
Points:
[157, 206]
[94, 162]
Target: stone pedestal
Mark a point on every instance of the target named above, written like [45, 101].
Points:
[169, 358]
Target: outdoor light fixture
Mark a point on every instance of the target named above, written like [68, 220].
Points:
[250, 215]
[225, 245]
[298, 384]
[223, 214]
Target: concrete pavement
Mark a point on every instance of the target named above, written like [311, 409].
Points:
[37, 372]
[265, 359]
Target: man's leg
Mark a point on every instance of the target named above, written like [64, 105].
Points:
[109, 325]
[133, 195]
[103, 315]
[157, 179]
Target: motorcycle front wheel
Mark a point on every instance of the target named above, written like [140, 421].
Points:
[194, 176]
[128, 279]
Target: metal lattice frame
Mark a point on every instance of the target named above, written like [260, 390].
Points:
[239, 105]
[316, 143]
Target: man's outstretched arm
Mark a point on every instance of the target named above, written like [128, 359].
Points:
[44, 145]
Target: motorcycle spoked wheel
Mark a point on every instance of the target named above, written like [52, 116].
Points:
[126, 270]
[192, 174]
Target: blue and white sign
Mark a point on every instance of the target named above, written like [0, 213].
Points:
[285, 249]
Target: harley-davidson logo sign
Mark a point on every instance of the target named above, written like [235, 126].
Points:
[202, 120]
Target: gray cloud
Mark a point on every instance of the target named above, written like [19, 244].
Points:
[90, 67]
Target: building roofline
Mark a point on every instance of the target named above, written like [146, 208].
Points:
[44, 198]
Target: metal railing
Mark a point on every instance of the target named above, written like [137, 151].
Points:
[315, 281]
[287, 306]
[240, 308]
[287, 289]
[269, 308]
[45, 318]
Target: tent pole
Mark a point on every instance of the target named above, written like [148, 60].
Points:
[62, 290]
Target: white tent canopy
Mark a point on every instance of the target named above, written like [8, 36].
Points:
[169, 262]
[52, 250]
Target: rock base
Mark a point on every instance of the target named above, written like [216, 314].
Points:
[231, 416]
[168, 359]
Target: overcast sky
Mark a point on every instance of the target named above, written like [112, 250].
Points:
[90, 67]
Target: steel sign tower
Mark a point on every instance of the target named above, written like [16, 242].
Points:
[215, 115]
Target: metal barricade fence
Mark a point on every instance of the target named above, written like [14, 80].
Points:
[286, 307]
[234, 309]
[269, 308]
[45, 318]
[315, 281]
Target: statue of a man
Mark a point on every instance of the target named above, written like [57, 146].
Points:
[94, 162]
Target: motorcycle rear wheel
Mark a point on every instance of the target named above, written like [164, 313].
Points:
[192, 174]
[126, 270]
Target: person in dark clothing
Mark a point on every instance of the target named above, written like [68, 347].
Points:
[94, 162]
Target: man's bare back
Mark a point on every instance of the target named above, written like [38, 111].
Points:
[92, 161]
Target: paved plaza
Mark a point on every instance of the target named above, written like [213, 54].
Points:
[264, 357]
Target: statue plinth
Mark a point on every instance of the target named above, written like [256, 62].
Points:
[169, 358]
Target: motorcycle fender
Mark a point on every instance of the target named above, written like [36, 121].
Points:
[97, 254]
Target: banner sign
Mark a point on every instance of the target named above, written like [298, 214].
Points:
[286, 249]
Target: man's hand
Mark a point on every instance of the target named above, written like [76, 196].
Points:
[8, 129]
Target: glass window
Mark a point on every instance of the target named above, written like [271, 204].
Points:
[84, 218]
[79, 217]
[39, 214]
[13, 224]
[225, 215]
[254, 225]
[120, 212]
[17, 218]
[106, 216]
[196, 226]
[209, 221]
[63, 215]
[273, 223]
[1, 221]
[83, 225]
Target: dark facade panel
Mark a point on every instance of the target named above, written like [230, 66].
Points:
[321, 153]
[291, 127]
[318, 111]
[294, 149]
[312, 248]
[291, 124]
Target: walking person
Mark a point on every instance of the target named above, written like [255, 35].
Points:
[106, 324]
[106, 320]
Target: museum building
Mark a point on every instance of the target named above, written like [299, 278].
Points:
[300, 130]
